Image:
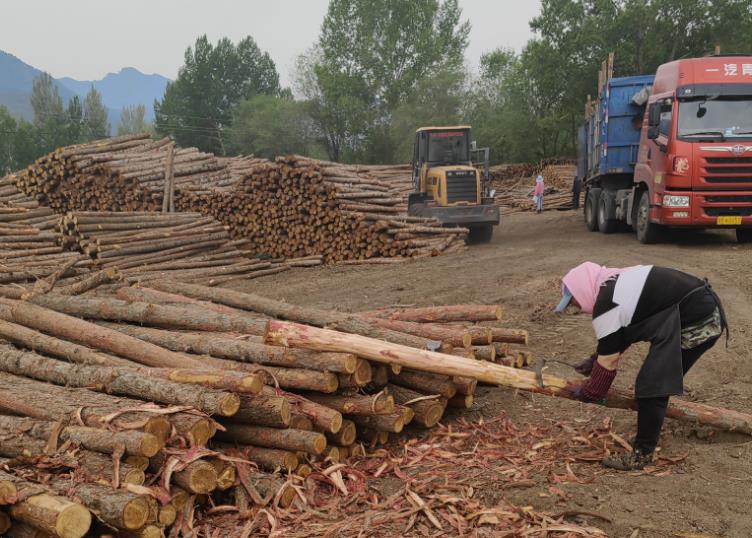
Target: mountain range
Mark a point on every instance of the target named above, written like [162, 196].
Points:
[128, 87]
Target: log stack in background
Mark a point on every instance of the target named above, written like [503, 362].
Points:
[514, 184]
[293, 207]
[157, 400]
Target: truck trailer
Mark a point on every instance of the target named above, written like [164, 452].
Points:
[670, 150]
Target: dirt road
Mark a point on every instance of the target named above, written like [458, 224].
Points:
[708, 492]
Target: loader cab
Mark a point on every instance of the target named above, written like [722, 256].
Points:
[442, 169]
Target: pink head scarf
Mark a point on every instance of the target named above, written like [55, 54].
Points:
[585, 280]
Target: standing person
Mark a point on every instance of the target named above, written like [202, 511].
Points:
[679, 314]
[538, 194]
[576, 189]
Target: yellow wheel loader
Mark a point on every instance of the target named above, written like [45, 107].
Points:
[448, 185]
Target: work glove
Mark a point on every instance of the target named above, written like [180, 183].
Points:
[586, 366]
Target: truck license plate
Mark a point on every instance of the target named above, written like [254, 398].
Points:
[728, 221]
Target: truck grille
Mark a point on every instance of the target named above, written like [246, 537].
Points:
[728, 199]
[730, 170]
[462, 189]
[728, 211]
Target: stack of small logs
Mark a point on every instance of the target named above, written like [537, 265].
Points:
[145, 246]
[514, 194]
[31, 248]
[295, 207]
[169, 393]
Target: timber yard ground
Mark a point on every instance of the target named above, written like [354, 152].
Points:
[705, 494]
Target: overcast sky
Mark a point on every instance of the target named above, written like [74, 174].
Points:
[86, 39]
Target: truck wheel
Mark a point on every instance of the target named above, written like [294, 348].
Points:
[744, 235]
[605, 225]
[647, 232]
[480, 234]
[591, 209]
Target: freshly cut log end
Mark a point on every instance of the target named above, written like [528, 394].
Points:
[303, 470]
[363, 372]
[226, 474]
[136, 513]
[346, 434]
[56, 515]
[159, 427]
[197, 430]
[167, 515]
[134, 476]
[200, 477]
[229, 405]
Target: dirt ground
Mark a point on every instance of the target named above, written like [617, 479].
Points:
[707, 494]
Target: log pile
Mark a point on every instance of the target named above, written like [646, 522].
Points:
[123, 417]
[141, 409]
[293, 207]
[514, 185]
[145, 246]
[296, 207]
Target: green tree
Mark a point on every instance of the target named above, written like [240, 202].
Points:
[75, 121]
[95, 116]
[438, 99]
[267, 126]
[19, 142]
[132, 120]
[49, 117]
[212, 82]
[370, 56]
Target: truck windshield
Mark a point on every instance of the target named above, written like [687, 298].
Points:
[448, 147]
[725, 117]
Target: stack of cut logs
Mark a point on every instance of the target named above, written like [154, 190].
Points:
[296, 207]
[188, 247]
[517, 196]
[157, 400]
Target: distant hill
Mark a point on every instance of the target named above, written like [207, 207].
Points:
[125, 88]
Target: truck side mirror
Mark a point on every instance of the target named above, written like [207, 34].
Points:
[654, 115]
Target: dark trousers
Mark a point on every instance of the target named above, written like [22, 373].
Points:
[652, 411]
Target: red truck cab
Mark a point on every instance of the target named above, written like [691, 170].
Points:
[694, 165]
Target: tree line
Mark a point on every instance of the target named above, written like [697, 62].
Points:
[381, 68]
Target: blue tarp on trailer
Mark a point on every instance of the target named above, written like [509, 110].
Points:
[613, 131]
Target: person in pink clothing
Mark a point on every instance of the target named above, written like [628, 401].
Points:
[538, 194]
[679, 314]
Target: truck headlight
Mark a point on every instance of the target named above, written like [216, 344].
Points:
[669, 200]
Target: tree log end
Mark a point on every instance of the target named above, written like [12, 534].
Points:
[134, 476]
[160, 428]
[363, 372]
[229, 405]
[319, 444]
[167, 515]
[200, 477]
[136, 513]
[149, 446]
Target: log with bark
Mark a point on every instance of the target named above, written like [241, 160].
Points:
[285, 333]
